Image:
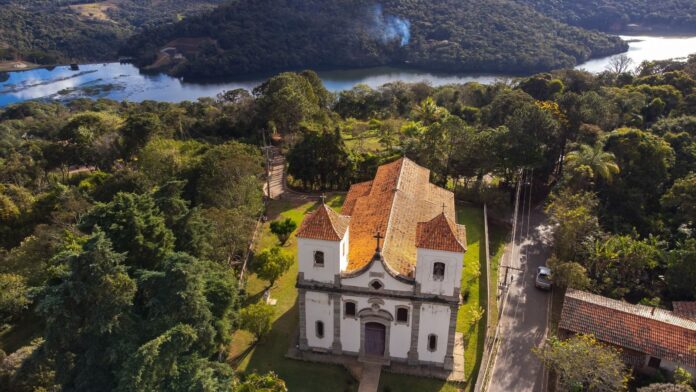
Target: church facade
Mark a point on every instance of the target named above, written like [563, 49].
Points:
[381, 280]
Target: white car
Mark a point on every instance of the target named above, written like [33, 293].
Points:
[543, 278]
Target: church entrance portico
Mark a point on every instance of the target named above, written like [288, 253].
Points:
[375, 338]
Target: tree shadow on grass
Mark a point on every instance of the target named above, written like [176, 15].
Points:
[269, 355]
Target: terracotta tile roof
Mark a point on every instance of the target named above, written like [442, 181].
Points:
[324, 224]
[441, 233]
[685, 309]
[656, 332]
[393, 203]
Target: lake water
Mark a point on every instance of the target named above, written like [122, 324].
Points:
[125, 82]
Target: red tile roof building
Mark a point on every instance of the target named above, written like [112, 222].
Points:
[399, 203]
[641, 329]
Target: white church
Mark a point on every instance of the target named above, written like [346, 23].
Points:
[381, 280]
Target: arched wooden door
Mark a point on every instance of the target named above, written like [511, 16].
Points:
[375, 339]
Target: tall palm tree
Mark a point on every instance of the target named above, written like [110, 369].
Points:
[428, 112]
[602, 163]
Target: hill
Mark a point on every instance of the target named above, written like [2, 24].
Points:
[622, 15]
[250, 36]
[46, 32]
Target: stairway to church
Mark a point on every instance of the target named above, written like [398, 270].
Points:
[369, 381]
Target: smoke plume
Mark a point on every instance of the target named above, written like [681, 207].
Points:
[389, 27]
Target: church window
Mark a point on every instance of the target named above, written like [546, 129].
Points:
[349, 309]
[376, 284]
[402, 315]
[320, 329]
[319, 258]
[432, 342]
[439, 271]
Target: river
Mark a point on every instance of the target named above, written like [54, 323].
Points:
[125, 82]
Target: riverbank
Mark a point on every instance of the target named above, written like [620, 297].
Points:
[15, 66]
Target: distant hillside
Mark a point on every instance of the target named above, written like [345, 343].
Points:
[252, 36]
[622, 15]
[48, 31]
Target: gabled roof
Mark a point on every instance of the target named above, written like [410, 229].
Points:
[441, 233]
[393, 203]
[324, 224]
[653, 331]
[686, 309]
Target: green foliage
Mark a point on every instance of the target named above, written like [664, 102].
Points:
[84, 311]
[283, 228]
[584, 364]
[257, 318]
[268, 382]
[13, 296]
[271, 264]
[229, 177]
[135, 226]
[682, 376]
[681, 272]
[681, 198]
[574, 217]
[454, 36]
[645, 160]
[320, 161]
[569, 275]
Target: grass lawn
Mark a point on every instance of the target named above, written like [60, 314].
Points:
[269, 354]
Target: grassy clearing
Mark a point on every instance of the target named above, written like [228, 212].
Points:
[270, 353]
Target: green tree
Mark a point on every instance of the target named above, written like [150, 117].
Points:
[138, 129]
[85, 312]
[574, 220]
[681, 270]
[569, 274]
[229, 177]
[602, 163]
[287, 99]
[271, 264]
[682, 376]
[257, 318]
[283, 228]
[320, 160]
[681, 200]
[633, 198]
[269, 382]
[13, 296]
[135, 226]
[164, 364]
[624, 266]
[584, 364]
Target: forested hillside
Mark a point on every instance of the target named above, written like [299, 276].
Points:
[261, 36]
[616, 15]
[47, 32]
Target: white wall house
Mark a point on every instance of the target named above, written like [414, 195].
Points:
[381, 280]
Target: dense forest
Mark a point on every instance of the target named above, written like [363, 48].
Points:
[273, 35]
[122, 225]
[617, 15]
[50, 32]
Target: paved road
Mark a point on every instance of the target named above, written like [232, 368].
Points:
[524, 318]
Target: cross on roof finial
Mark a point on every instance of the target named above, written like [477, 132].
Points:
[378, 237]
[443, 208]
[323, 198]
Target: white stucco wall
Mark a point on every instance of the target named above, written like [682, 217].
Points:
[399, 335]
[318, 307]
[434, 319]
[377, 271]
[454, 263]
[334, 258]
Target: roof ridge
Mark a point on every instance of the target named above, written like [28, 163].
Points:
[667, 314]
[391, 207]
